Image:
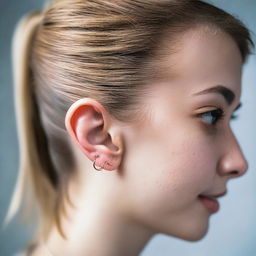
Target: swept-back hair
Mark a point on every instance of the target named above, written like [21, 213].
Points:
[102, 49]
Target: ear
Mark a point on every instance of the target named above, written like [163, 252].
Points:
[93, 129]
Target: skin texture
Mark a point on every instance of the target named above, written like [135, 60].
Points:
[158, 166]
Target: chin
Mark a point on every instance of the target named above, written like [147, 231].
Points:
[190, 232]
[194, 235]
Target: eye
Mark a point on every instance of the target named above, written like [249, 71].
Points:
[234, 117]
[213, 116]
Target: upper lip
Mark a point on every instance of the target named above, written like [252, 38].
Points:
[215, 195]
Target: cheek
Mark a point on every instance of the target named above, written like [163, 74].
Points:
[188, 165]
[167, 174]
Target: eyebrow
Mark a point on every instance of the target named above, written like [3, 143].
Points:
[228, 95]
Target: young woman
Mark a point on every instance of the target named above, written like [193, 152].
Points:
[123, 112]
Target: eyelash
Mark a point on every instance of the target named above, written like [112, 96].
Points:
[219, 115]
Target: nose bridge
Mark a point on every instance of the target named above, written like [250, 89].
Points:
[235, 162]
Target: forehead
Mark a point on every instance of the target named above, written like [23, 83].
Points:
[213, 49]
[204, 57]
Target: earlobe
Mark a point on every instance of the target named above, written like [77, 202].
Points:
[89, 125]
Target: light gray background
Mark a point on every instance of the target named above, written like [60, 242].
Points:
[232, 230]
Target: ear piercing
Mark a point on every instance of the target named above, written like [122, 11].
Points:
[99, 169]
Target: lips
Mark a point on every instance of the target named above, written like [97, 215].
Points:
[213, 196]
[210, 202]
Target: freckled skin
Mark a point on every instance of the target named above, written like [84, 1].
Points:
[167, 159]
[175, 156]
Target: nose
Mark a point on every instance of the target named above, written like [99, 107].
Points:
[233, 162]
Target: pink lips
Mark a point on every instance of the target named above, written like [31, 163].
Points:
[211, 204]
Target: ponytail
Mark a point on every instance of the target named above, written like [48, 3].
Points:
[35, 181]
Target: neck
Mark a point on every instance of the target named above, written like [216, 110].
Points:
[124, 239]
[94, 228]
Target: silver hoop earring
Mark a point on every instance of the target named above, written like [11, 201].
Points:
[100, 169]
[94, 166]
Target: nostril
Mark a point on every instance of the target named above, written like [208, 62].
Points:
[234, 172]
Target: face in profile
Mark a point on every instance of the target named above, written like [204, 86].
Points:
[185, 147]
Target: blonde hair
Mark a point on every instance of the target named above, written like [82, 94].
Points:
[102, 49]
